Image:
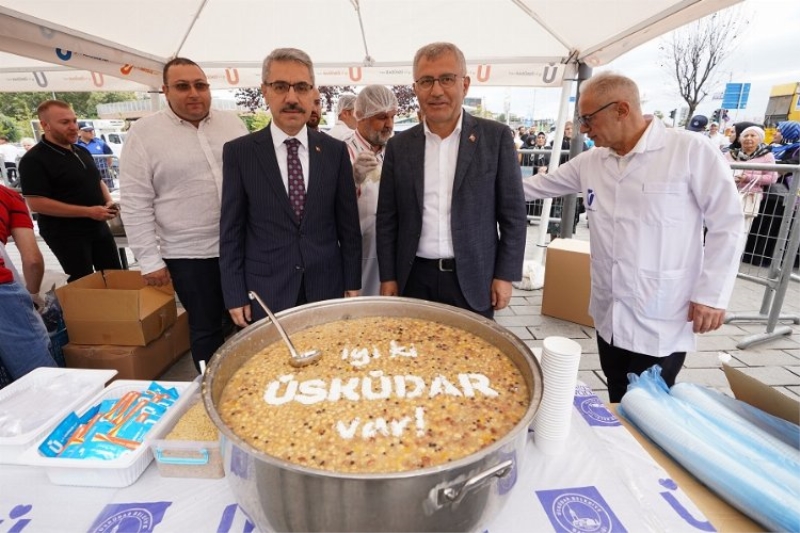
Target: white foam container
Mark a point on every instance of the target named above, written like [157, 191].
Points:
[119, 472]
[29, 396]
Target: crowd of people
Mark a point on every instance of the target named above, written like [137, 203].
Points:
[436, 212]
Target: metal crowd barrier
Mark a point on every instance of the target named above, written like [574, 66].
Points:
[771, 254]
[108, 165]
[535, 207]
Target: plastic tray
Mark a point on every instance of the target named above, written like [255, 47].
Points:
[40, 400]
[187, 458]
[119, 472]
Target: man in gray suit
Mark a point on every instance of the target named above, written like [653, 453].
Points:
[289, 228]
[451, 218]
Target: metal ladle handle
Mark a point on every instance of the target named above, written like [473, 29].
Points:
[296, 359]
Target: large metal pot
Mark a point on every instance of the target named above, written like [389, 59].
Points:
[457, 496]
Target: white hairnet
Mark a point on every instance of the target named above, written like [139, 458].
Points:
[373, 100]
[345, 102]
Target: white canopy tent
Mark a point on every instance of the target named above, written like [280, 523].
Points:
[113, 45]
[52, 45]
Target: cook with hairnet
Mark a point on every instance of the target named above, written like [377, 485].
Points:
[345, 118]
[375, 109]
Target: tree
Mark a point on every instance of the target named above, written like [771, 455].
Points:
[330, 94]
[8, 128]
[693, 53]
[22, 106]
[406, 99]
[251, 98]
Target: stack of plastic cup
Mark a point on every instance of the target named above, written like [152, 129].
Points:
[560, 360]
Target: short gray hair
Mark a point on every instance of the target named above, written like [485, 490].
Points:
[435, 50]
[287, 54]
[613, 85]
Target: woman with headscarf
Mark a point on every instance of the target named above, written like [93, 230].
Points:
[788, 147]
[749, 147]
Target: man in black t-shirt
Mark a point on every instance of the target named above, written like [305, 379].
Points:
[61, 182]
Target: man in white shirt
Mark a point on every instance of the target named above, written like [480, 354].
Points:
[8, 151]
[171, 186]
[648, 190]
[717, 138]
[375, 108]
[345, 118]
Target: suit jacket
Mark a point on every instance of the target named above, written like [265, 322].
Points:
[487, 197]
[263, 246]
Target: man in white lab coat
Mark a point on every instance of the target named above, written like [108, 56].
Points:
[648, 190]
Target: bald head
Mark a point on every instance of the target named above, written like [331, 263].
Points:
[610, 112]
[610, 86]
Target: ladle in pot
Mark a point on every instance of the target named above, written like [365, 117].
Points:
[297, 359]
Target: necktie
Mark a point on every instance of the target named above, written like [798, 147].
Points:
[297, 188]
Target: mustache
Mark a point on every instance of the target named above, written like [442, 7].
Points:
[293, 107]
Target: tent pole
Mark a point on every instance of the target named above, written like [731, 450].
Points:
[575, 148]
[155, 99]
[555, 155]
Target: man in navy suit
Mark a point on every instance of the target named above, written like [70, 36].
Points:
[289, 228]
[451, 218]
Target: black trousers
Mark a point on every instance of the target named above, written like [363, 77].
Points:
[618, 363]
[427, 282]
[80, 255]
[197, 282]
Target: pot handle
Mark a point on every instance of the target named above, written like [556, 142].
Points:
[456, 493]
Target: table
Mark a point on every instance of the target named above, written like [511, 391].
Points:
[610, 481]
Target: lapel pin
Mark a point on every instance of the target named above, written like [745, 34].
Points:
[472, 138]
[317, 148]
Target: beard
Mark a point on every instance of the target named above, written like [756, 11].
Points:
[379, 138]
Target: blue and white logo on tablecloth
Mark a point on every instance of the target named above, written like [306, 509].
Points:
[129, 517]
[579, 510]
[592, 408]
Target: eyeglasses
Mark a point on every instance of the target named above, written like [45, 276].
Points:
[585, 120]
[185, 87]
[282, 87]
[445, 81]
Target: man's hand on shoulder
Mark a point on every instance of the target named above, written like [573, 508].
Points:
[705, 318]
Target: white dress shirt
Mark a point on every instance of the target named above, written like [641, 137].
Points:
[281, 152]
[171, 186]
[441, 156]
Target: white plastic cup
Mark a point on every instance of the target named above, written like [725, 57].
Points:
[560, 360]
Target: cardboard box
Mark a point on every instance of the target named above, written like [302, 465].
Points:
[134, 362]
[567, 281]
[748, 389]
[723, 516]
[116, 307]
